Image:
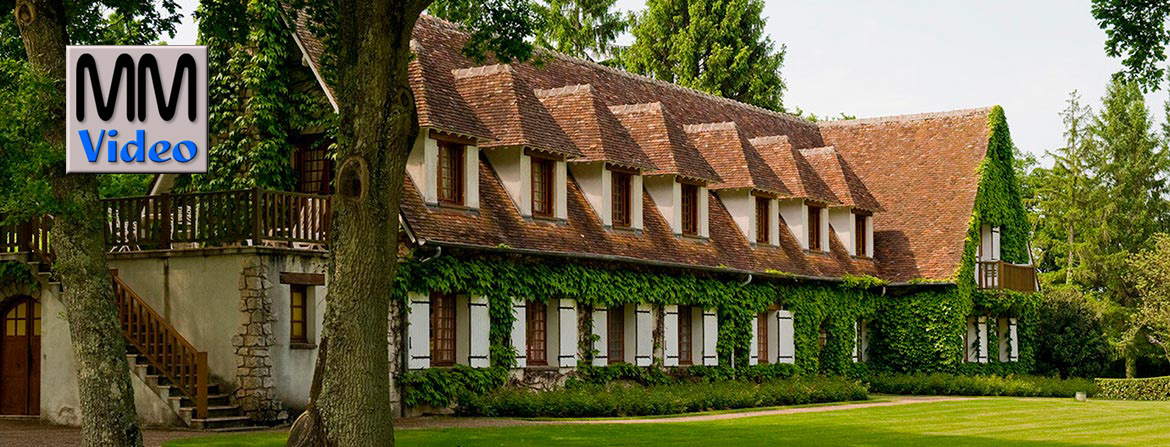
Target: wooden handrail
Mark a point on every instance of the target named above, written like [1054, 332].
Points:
[162, 346]
[1004, 275]
[31, 236]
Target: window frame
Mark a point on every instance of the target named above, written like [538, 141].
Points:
[444, 303]
[543, 169]
[615, 339]
[686, 336]
[861, 240]
[303, 321]
[621, 199]
[456, 155]
[536, 351]
[763, 220]
[815, 231]
[762, 338]
[689, 208]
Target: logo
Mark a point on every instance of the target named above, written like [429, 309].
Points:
[136, 109]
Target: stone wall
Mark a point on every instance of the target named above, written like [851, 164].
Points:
[256, 392]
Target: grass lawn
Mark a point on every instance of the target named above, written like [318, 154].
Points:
[983, 422]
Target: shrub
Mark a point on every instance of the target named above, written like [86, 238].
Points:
[988, 385]
[1070, 338]
[1154, 388]
[624, 399]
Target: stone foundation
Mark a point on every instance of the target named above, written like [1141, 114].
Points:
[256, 392]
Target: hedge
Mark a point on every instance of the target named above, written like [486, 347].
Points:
[1153, 388]
[940, 384]
[618, 399]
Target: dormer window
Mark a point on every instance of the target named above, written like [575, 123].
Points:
[452, 172]
[863, 235]
[542, 187]
[815, 229]
[622, 196]
[763, 220]
[690, 209]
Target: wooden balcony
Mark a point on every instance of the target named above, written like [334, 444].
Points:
[194, 220]
[1006, 276]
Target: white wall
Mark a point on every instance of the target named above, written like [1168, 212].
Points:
[795, 214]
[422, 167]
[596, 184]
[667, 196]
[515, 172]
[842, 221]
[742, 207]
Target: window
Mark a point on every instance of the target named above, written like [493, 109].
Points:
[537, 322]
[298, 298]
[621, 200]
[690, 209]
[452, 173]
[763, 220]
[762, 337]
[542, 187]
[814, 228]
[442, 329]
[685, 338]
[315, 168]
[616, 338]
[862, 231]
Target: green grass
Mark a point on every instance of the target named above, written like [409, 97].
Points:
[983, 422]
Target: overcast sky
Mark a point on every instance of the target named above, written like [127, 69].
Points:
[890, 57]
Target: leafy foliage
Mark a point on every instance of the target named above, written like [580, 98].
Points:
[1070, 338]
[1136, 30]
[1153, 388]
[579, 28]
[939, 384]
[498, 28]
[711, 45]
[1152, 277]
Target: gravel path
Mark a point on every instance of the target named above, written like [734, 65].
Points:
[31, 432]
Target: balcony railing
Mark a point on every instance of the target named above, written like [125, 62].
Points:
[222, 218]
[1003, 275]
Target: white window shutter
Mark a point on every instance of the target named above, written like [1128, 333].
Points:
[982, 329]
[787, 353]
[644, 317]
[600, 324]
[754, 352]
[856, 342]
[1015, 346]
[477, 356]
[567, 319]
[419, 332]
[995, 249]
[520, 331]
[670, 348]
[710, 337]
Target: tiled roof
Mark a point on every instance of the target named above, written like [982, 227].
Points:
[924, 170]
[844, 183]
[735, 160]
[509, 108]
[662, 139]
[592, 128]
[921, 169]
[793, 169]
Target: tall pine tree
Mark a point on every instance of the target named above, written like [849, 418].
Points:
[717, 46]
[579, 28]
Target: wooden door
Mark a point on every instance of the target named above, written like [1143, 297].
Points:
[20, 357]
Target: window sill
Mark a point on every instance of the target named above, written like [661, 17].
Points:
[691, 237]
[302, 345]
[549, 220]
[451, 207]
[864, 258]
[627, 230]
[816, 252]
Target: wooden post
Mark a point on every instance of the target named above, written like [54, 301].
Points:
[257, 229]
[165, 237]
[201, 385]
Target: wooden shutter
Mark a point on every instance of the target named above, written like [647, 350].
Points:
[478, 336]
[567, 327]
[786, 335]
[983, 340]
[519, 331]
[710, 337]
[644, 331]
[600, 332]
[856, 342]
[419, 332]
[670, 338]
[1014, 356]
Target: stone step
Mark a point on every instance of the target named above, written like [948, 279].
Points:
[214, 423]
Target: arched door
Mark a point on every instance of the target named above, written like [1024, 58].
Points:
[20, 357]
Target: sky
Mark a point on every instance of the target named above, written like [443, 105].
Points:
[891, 57]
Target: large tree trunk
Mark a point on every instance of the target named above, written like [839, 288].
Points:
[103, 376]
[376, 129]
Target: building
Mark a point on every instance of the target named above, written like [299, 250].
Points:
[563, 217]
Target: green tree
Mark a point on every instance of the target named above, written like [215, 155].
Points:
[1070, 336]
[32, 132]
[1151, 269]
[367, 54]
[711, 45]
[579, 28]
[1136, 31]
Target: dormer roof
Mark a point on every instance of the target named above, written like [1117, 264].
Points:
[794, 170]
[841, 178]
[592, 127]
[510, 110]
[736, 161]
[663, 140]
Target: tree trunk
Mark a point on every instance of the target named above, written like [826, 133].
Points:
[108, 417]
[376, 129]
